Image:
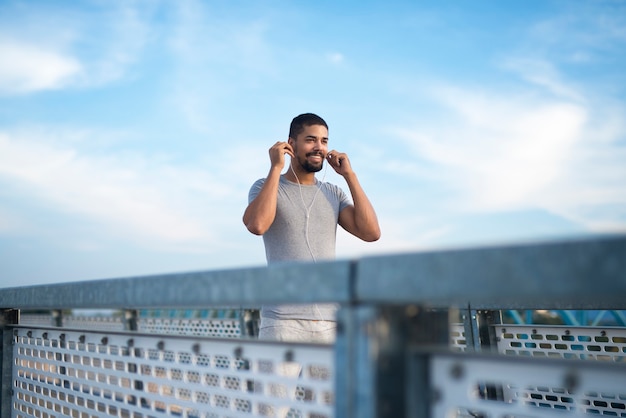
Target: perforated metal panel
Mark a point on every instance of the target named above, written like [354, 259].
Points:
[507, 387]
[584, 343]
[94, 321]
[92, 374]
[225, 328]
[457, 337]
[579, 343]
[208, 327]
[101, 323]
[35, 319]
[576, 343]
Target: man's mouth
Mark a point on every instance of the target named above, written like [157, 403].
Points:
[315, 155]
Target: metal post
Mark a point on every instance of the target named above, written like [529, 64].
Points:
[487, 341]
[131, 318]
[373, 356]
[7, 317]
[248, 322]
[470, 325]
[57, 318]
[485, 321]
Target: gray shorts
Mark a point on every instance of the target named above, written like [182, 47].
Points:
[297, 330]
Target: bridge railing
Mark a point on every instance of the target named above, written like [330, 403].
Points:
[393, 355]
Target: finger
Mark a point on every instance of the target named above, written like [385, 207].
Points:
[282, 147]
[277, 146]
[335, 158]
[288, 150]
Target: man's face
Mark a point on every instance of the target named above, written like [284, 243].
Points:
[311, 147]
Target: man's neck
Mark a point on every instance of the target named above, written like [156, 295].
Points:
[303, 177]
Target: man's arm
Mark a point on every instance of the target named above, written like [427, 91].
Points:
[260, 213]
[360, 220]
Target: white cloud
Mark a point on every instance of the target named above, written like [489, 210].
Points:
[215, 60]
[593, 191]
[9, 221]
[543, 74]
[335, 57]
[399, 234]
[131, 196]
[585, 26]
[127, 34]
[27, 67]
[70, 49]
[499, 152]
[506, 152]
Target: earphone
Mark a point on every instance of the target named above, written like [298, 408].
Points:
[308, 210]
[308, 216]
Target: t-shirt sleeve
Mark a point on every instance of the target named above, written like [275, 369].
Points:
[255, 190]
[344, 199]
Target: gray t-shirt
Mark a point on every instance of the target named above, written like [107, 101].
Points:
[292, 238]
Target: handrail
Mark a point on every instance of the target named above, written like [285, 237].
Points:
[571, 274]
[587, 273]
[327, 282]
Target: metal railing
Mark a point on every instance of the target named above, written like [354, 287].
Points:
[397, 353]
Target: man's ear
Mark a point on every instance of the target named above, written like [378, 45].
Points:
[290, 141]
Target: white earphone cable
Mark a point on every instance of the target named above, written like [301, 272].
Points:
[308, 210]
[308, 216]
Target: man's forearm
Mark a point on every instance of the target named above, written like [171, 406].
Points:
[365, 219]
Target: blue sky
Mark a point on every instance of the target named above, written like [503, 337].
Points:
[131, 131]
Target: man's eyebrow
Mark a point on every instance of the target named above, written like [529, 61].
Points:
[314, 137]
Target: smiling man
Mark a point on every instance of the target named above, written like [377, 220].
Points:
[297, 215]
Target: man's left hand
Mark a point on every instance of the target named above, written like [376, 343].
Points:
[339, 162]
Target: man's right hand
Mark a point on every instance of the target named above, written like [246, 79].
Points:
[277, 154]
[260, 213]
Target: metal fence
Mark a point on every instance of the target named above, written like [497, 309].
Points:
[419, 335]
[79, 373]
[224, 323]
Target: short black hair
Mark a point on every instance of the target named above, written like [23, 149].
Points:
[306, 119]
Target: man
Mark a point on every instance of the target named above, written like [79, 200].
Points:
[298, 216]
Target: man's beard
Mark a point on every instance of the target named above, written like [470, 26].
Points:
[311, 168]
